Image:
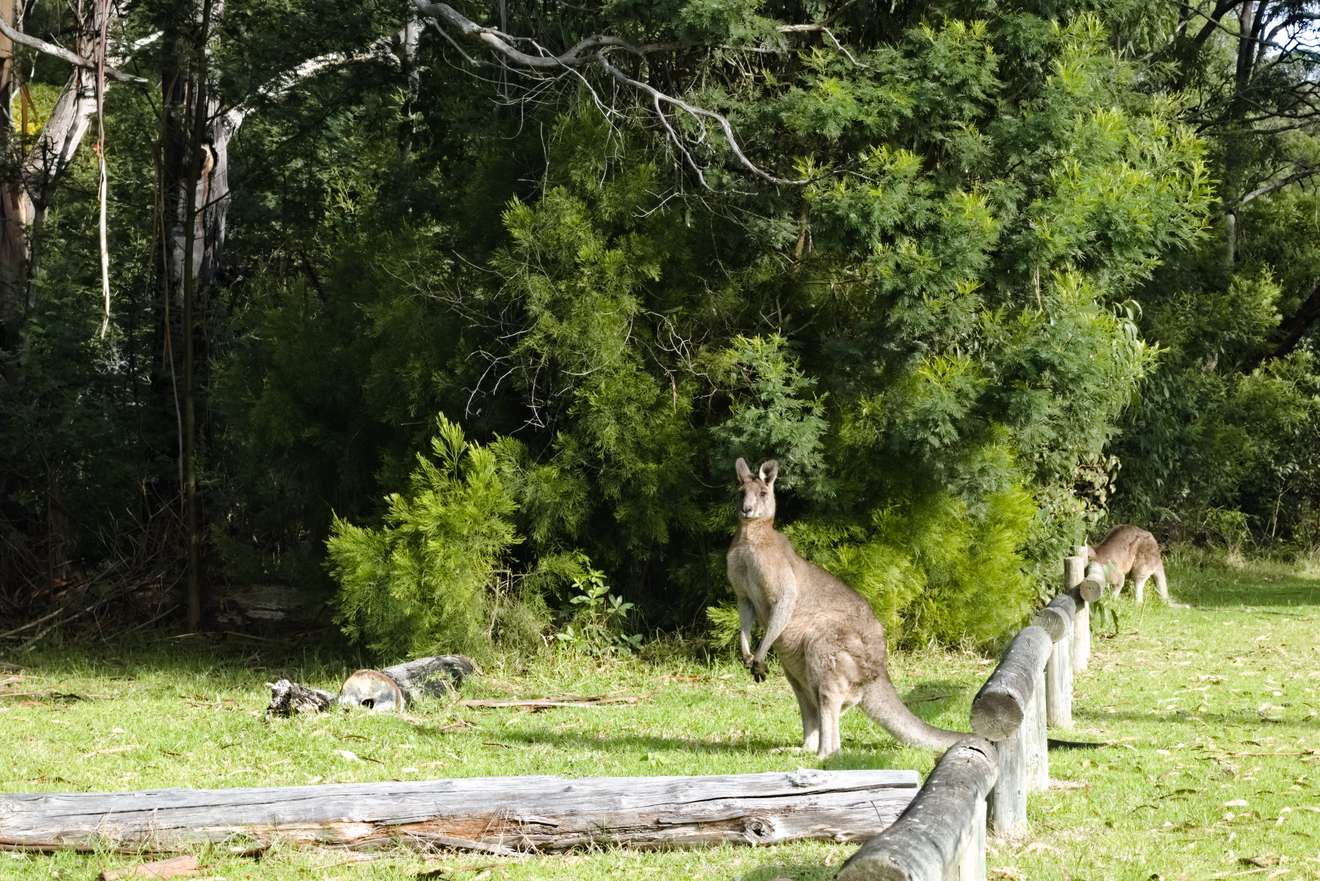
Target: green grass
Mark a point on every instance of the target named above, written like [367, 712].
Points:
[1214, 716]
[1204, 707]
[180, 713]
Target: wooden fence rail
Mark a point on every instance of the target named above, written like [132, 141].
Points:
[984, 781]
[942, 833]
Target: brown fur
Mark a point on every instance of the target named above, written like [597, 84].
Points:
[830, 643]
[1128, 550]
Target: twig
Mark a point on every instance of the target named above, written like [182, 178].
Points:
[549, 702]
[30, 624]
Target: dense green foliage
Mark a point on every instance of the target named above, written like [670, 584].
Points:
[418, 585]
[999, 250]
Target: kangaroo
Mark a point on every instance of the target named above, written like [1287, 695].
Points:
[1127, 549]
[829, 641]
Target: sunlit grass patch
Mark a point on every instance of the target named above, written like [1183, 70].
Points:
[1212, 767]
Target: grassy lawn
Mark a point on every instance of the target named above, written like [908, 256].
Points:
[1213, 768]
[1214, 716]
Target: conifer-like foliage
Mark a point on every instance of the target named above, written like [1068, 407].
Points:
[418, 583]
[959, 267]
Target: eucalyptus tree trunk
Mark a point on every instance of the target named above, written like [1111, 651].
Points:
[31, 173]
[189, 165]
[27, 187]
[1252, 16]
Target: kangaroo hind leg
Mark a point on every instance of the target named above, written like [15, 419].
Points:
[831, 708]
[810, 711]
[1139, 580]
[1162, 584]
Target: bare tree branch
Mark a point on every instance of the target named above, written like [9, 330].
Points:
[1300, 174]
[65, 55]
[584, 52]
[283, 82]
[594, 51]
[700, 113]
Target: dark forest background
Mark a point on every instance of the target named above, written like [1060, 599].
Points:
[452, 318]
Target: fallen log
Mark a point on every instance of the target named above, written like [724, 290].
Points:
[288, 698]
[489, 814]
[178, 867]
[387, 690]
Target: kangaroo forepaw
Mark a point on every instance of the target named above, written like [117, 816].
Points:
[758, 669]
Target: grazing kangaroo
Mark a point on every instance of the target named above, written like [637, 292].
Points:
[1127, 549]
[829, 641]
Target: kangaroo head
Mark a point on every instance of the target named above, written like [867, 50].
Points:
[757, 499]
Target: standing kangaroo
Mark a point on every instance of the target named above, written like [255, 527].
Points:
[1127, 549]
[829, 641]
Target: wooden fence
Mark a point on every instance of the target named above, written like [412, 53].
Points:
[981, 785]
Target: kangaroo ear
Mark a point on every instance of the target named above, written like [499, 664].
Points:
[769, 470]
[744, 473]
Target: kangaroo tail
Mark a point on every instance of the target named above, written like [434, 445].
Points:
[882, 703]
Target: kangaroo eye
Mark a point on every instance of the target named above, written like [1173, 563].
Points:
[765, 492]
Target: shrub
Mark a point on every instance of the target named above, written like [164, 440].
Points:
[418, 584]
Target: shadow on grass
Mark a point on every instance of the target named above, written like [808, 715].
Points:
[635, 742]
[1292, 592]
[224, 658]
[798, 871]
[854, 756]
[1243, 720]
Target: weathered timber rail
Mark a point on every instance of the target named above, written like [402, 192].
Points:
[982, 783]
[943, 830]
[502, 815]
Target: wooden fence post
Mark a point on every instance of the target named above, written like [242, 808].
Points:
[1038, 765]
[1004, 711]
[1074, 569]
[971, 862]
[1057, 619]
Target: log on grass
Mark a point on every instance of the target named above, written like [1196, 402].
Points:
[941, 835]
[434, 676]
[490, 814]
[288, 697]
[380, 690]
